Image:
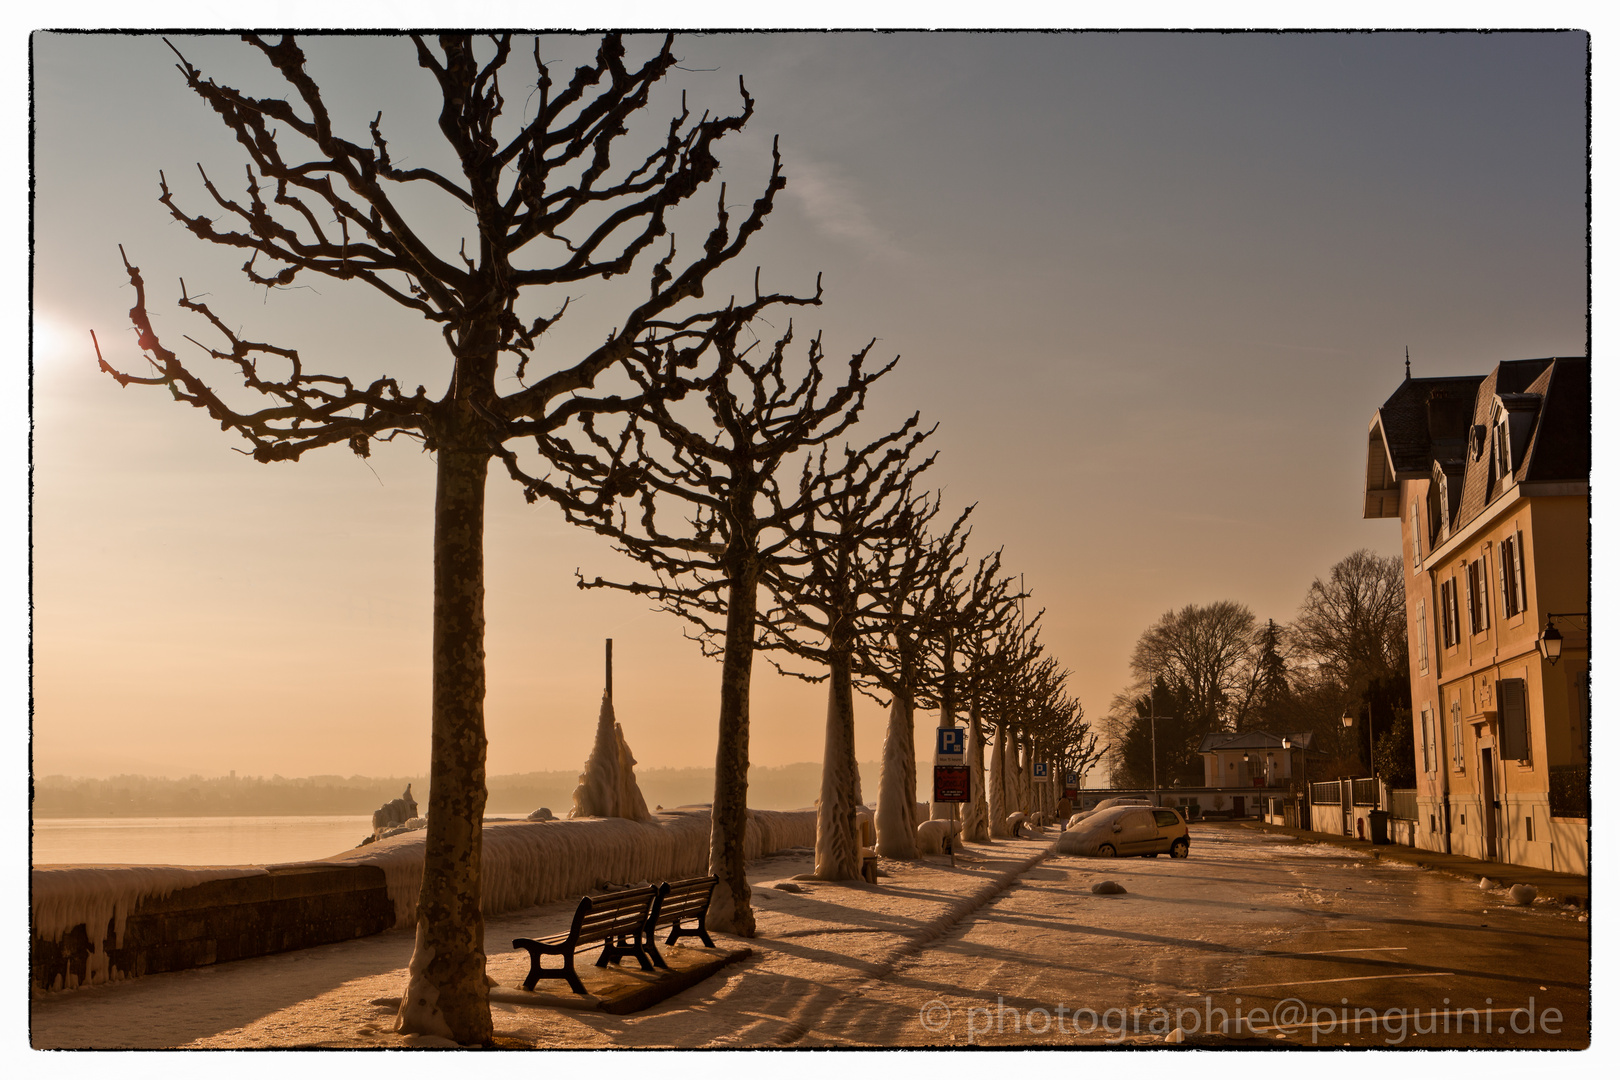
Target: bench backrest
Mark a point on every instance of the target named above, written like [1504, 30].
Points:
[612, 913]
[682, 899]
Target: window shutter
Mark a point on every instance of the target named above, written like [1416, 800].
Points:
[1417, 537]
[1472, 581]
[1505, 556]
[1511, 721]
[1518, 570]
[1423, 636]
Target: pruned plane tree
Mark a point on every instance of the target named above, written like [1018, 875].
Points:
[547, 196]
[717, 462]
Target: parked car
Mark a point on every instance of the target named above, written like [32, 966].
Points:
[1106, 804]
[1128, 830]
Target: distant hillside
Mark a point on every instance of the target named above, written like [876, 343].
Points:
[781, 787]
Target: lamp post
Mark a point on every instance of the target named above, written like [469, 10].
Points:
[1349, 720]
[1153, 728]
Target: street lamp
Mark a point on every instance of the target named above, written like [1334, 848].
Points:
[1349, 720]
[1551, 642]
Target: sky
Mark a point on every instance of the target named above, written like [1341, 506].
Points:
[1150, 286]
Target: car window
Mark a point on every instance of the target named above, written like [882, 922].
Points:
[1166, 817]
[1139, 819]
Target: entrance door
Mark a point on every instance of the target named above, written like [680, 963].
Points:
[1345, 810]
[1237, 806]
[1487, 793]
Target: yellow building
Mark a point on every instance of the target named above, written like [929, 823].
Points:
[1489, 478]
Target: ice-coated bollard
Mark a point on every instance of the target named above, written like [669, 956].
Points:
[1523, 895]
[1107, 888]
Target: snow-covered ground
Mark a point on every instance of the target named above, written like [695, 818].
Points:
[812, 943]
[936, 956]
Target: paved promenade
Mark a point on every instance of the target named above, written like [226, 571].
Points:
[1566, 888]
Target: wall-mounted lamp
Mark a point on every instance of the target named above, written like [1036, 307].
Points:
[1551, 642]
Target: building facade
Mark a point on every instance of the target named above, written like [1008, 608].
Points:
[1488, 476]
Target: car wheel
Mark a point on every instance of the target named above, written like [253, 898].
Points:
[1106, 851]
[1178, 850]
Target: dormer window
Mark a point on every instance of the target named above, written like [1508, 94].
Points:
[1439, 508]
[1513, 416]
[1502, 467]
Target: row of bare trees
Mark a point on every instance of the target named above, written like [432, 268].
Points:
[725, 466]
[1211, 668]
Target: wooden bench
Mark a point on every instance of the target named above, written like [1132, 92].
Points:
[675, 902]
[617, 920]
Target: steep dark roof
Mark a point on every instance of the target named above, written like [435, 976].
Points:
[1557, 393]
[1561, 445]
[1405, 420]
[1446, 420]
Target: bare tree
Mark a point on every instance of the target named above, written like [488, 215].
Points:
[823, 605]
[1208, 647]
[975, 611]
[1353, 625]
[712, 522]
[912, 576]
[563, 200]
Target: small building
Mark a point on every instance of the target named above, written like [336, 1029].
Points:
[1250, 767]
[1488, 476]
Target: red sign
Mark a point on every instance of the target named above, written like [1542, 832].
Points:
[952, 783]
[1071, 793]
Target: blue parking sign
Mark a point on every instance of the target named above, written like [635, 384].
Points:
[1038, 771]
[952, 742]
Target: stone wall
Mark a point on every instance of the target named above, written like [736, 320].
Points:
[289, 907]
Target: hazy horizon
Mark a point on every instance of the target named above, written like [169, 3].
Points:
[1152, 287]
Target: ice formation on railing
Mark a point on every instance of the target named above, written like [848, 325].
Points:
[524, 863]
[527, 863]
[99, 897]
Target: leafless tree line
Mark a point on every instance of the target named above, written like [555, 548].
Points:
[726, 466]
[1215, 667]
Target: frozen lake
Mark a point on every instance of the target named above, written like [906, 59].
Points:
[199, 841]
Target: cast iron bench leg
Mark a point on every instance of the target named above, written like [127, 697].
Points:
[702, 932]
[536, 972]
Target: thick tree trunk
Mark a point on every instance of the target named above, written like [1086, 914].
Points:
[1025, 767]
[976, 814]
[998, 785]
[730, 909]
[447, 994]
[897, 788]
[838, 848]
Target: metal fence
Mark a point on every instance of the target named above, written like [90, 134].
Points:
[1403, 803]
[1569, 791]
[1326, 793]
[1364, 792]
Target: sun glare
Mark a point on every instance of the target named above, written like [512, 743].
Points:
[56, 344]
